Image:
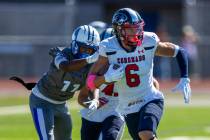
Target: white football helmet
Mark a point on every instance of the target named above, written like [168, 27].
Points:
[100, 26]
[85, 41]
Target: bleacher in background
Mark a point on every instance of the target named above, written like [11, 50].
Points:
[29, 28]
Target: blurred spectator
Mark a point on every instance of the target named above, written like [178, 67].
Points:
[162, 65]
[189, 42]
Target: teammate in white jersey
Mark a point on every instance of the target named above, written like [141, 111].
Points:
[104, 123]
[100, 26]
[133, 50]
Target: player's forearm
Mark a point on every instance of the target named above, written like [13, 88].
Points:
[96, 94]
[99, 80]
[73, 65]
[172, 50]
[94, 81]
[83, 97]
[81, 102]
[166, 49]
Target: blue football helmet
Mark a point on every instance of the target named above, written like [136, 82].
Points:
[128, 26]
[109, 32]
[85, 41]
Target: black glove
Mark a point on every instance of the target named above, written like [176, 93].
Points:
[54, 51]
[28, 86]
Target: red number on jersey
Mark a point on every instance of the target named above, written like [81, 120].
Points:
[132, 80]
[109, 89]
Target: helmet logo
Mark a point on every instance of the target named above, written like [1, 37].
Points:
[120, 18]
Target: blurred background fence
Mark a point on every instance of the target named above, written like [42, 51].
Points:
[28, 28]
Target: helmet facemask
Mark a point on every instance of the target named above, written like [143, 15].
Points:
[128, 27]
[82, 50]
[131, 34]
[85, 41]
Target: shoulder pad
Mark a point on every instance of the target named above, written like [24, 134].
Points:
[104, 42]
[150, 40]
[109, 43]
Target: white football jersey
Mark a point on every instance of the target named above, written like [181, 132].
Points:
[109, 109]
[136, 87]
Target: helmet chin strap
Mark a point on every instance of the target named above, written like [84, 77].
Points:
[126, 46]
[137, 40]
[134, 42]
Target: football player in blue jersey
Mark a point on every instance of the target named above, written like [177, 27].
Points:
[66, 75]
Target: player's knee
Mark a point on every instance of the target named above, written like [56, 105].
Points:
[146, 135]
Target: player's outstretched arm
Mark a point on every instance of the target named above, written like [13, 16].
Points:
[166, 49]
[62, 62]
[77, 64]
[83, 97]
[74, 65]
[172, 50]
[95, 79]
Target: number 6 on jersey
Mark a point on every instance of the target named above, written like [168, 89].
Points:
[132, 80]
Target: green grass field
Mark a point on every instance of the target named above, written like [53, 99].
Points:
[177, 121]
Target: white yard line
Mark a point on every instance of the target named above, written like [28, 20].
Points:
[22, 109]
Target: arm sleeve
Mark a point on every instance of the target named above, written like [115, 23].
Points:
[182, 60]
[59, 59]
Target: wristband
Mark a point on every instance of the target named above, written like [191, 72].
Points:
[90, 82]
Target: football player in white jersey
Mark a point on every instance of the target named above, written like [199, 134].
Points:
[105, 122]
[66, 75]
[129, 55]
